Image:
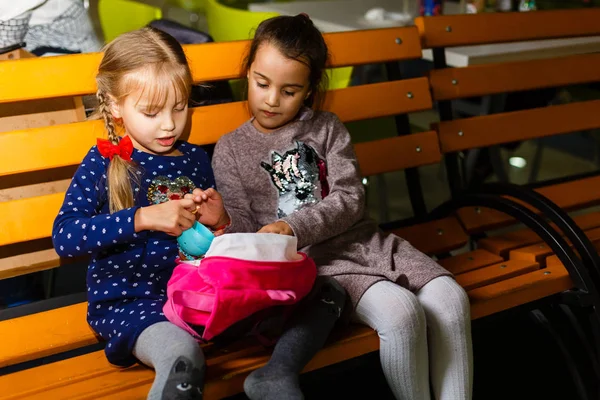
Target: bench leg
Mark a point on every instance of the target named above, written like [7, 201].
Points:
[564, 328]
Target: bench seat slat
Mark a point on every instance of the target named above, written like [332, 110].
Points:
[522, 289]
[539, 252]
[64, 329]
[73, 378]
[572, 195]
[502, 244]
[435, 237]
[495, 273]
[469, 261]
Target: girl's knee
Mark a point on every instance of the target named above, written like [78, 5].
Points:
[409, 318]
[443, 298]
[392, 310]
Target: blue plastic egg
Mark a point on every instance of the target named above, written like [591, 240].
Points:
[196, 240]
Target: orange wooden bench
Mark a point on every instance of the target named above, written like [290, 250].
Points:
[493, 284]
[521, 246]
[458, 135]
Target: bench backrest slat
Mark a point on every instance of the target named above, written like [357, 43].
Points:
[489, 130]
[468, 30]
[62, 145]
[32, 218]
[73, 75]
[512, 76]
[481, 80]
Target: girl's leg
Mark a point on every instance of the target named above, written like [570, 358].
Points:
[447, 311]
[398, 318]
[177, 359]
[306, 334]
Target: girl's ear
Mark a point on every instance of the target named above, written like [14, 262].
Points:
[114, 107]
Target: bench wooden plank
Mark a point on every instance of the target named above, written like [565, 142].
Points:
[519, 290]
[384, 99]
[464, 30]
[32, 218]
[488, 130]
[398, 153]
[481, 80]
[504, 243]
[62, 145]
[71, 75]
[63, 329]
[469, 261]
[495, 273]
[29, 219]
[569, 196]
[69, 329]
[27, 263]
[435, 237]
[540, 251]
[72, 378]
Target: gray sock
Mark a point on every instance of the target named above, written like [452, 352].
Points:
[177, 359]
[306, 334]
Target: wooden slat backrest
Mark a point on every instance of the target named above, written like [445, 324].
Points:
[61, 145]
[488, 130]
[472, 132]
[32, 218]
[468, 30]
[490, 79]
[481, 80]
[74, 74]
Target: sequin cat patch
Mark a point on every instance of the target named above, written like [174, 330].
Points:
[300, 177]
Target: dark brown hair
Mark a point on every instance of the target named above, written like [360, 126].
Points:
[296, 38]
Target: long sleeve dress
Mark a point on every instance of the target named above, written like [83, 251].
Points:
[128, 272]
[306, 174]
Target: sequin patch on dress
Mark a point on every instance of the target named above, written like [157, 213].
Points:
[300, 177]
[162, 189]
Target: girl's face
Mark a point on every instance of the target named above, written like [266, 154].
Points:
[277, 88]
[151, 129]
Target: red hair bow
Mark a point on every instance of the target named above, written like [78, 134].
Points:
[124, 149]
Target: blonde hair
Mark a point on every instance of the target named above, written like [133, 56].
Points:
[146, 59]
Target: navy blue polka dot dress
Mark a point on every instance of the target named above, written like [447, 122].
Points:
[128, 272]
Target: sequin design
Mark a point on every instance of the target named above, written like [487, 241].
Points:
[163, 189]
[300, 177]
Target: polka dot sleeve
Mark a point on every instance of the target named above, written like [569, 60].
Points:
[80, 228]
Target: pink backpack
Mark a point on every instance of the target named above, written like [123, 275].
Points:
[241, 274]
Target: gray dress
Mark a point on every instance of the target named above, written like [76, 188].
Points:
[306, 174]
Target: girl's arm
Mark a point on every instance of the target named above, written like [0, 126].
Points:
[345, 204]
[79, 228]
[230, 185]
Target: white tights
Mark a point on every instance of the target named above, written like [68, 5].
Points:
[424, 337]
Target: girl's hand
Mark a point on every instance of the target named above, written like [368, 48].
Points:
[172, 217]
[210, 210]
[279, 227]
